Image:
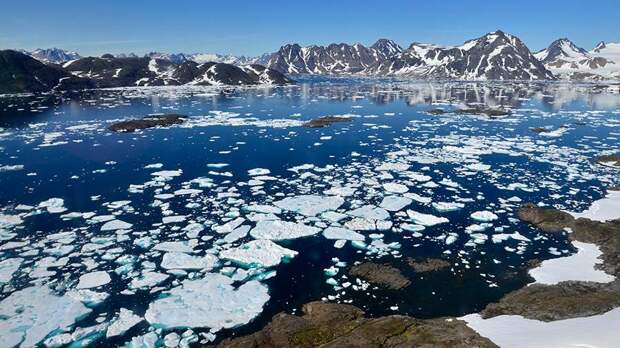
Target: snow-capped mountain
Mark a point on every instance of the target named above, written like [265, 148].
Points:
[52, 55]
[568, 61]
[145, 71]
[332, 59]
[494, 56]
[179, 58]
[21, 73]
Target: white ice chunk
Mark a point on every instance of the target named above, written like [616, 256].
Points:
[483, 216]
[176, 260]
[29, 315]
[210, 302]
[310, 205]
[394, 203]
[395, 187]
[8, 267]
[426, 219]
[340, 233]
[280, 230]
[258, 253]
[370, 212]
[116, 225]
[93, 280]
[126, 320]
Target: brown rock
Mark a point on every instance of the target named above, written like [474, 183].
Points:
[338, 325]
[557, 302]
[380, 274]
[147, 122]
[547, 219]
[325, 121]
[428, 265]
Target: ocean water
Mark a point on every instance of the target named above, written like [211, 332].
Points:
[58, 146]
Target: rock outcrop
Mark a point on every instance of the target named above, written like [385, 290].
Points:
[339, 325]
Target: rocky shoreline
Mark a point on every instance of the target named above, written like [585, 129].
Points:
[341, 325]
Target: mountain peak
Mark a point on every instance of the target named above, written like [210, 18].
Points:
[562, 48]
[601, 45]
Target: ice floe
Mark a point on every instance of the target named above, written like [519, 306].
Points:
[227, 306]
[309, 205]
[282, 230]
[257, 253]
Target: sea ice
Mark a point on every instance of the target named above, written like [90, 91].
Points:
[126, 320]
[280, 230]
[258, 253]
[176, 260]
[310, 205]
[340, 233]
[394, 203]
[395, 187]
[93, 280]
[116, 225]
[426, 219]
[8, 267]
[29, 315]
[370, 212]
[210, 302]
[483, 216]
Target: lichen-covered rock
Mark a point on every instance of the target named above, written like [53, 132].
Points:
[547, 219]
[380, 274]
[326, 121]
[340, 325]
[557, 302]
[428, 265]
[147, 122]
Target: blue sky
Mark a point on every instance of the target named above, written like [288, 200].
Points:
[254, 27]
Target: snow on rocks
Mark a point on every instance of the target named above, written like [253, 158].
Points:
[93, 280]
[579, 266]
[282, 230]
[257, 253]
[310, 205]
[31, 314]
[426, 219]
[516, 331]
[602, 210]
[227, 307]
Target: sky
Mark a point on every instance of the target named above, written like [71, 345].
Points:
[255, 27]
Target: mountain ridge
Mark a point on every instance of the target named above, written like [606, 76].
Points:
[21, 73]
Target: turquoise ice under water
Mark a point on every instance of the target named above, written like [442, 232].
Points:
[241, 213]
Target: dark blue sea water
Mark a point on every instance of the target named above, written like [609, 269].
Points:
[58, 146]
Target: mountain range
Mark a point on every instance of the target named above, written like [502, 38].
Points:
[493, 56]
[21, 73]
